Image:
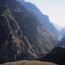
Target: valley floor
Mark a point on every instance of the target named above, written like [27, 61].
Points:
[24, 62]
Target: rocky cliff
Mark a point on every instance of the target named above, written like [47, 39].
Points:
[56, 56]
[13, 43]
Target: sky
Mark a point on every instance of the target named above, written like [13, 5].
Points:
[55, 9]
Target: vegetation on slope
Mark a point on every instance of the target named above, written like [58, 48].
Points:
[28, 63]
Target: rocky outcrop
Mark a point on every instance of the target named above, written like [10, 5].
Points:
[56, 56]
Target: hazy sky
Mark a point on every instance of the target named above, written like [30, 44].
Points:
[55, 9]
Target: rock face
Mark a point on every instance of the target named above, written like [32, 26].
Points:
[21, 34]
[13, 43]
[56, 56]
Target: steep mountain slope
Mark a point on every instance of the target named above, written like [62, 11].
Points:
[56, 56]
[34, 31]
[13, 44]
[30, 26]
[16, 6]
[44, 19]
[21, 34]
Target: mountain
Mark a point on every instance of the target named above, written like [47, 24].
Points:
[44, 19]
[62, 32]
[38, 36]
[29, 19]
[56, 56]
[58, 27]
[12, 40]
[62, 42]
[22, 36]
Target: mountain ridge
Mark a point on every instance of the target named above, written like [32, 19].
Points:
[44, 19]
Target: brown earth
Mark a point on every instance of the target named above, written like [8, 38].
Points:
[24, 62]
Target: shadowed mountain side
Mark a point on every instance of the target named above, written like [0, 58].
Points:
[31, 10]
[21, 37]
[17, 7]
[21, 34]
[28, 15]
[13, 44]
[56, 56]
[35, 32]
